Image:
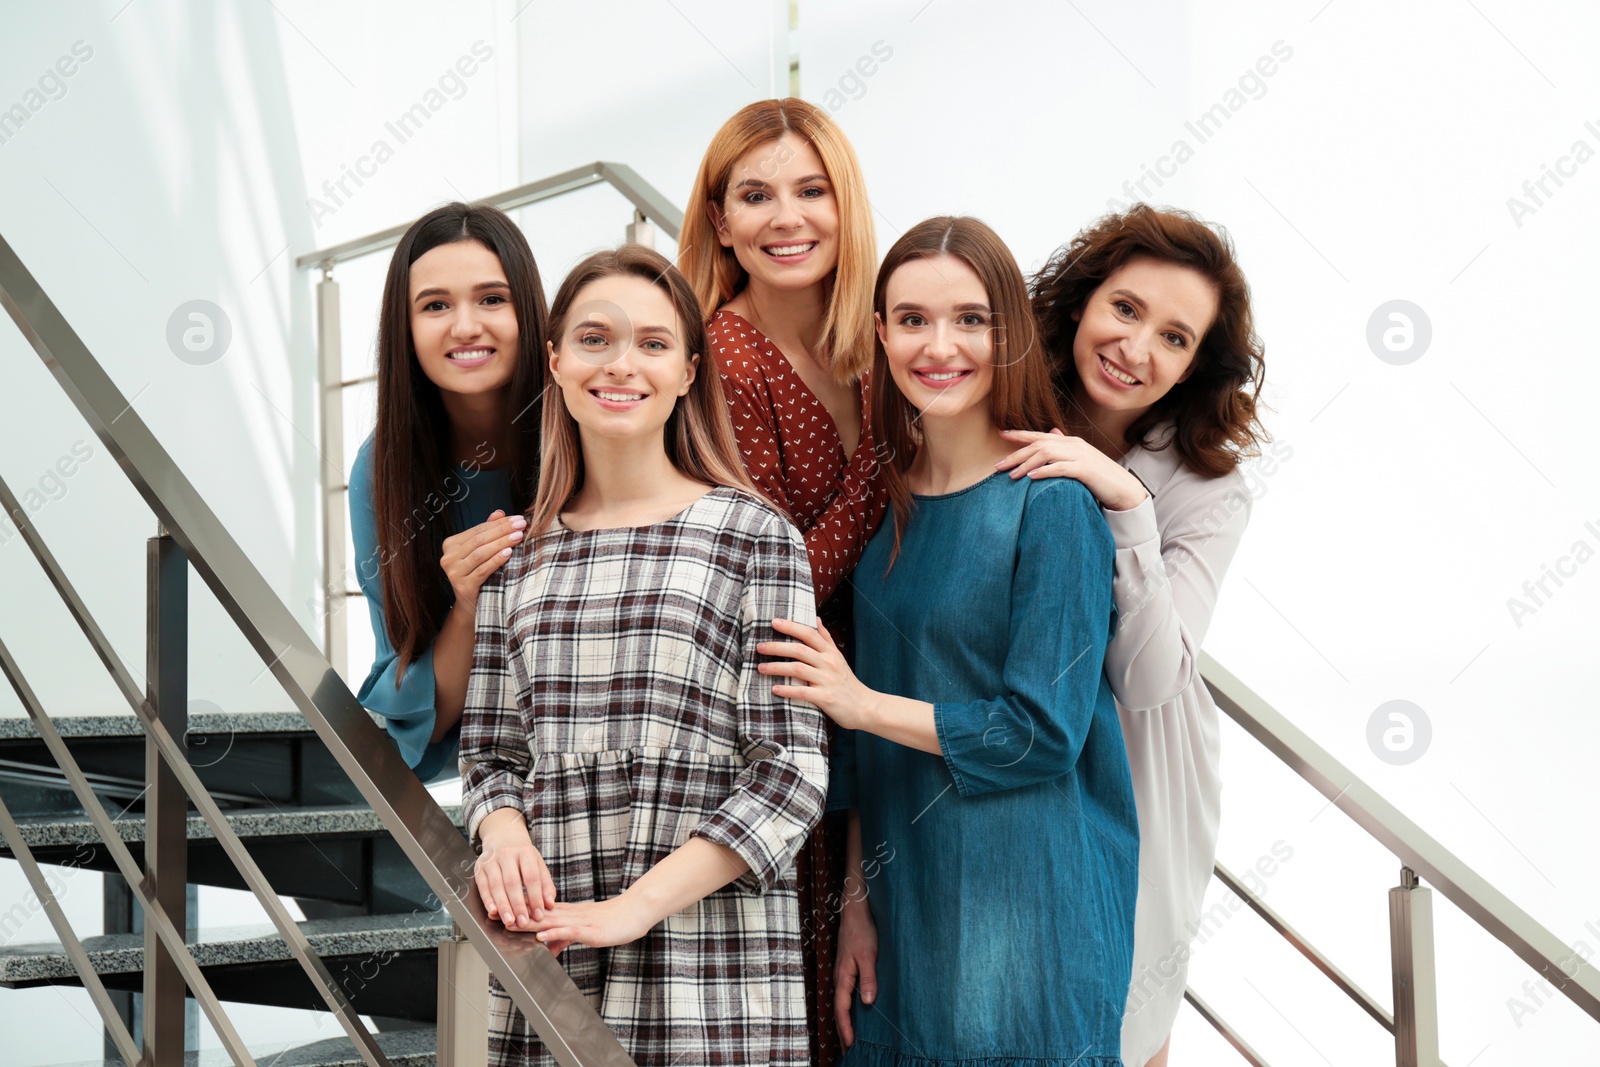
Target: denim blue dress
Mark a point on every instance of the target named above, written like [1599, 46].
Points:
[470, 496]
[1001, 873]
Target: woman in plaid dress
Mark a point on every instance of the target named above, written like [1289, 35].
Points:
[638, 791]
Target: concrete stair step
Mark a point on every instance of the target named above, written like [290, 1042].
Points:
[242, 757]
[405, 1048]
[386, 964]
[340, 854]
[328, 821]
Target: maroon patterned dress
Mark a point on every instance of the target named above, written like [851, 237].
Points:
[792, 451]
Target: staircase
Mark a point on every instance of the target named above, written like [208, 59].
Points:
[370, 916]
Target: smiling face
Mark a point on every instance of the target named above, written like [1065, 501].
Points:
[937, 335]
[620, 360]
[1138, 333]
[463, 326]
[780, 215]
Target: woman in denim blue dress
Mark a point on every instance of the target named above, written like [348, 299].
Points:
[994, 842]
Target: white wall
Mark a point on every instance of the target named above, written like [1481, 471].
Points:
[179, 164]
[1373, 164]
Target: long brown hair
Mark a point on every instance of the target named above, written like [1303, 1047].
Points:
[714, 271]
[1021, 397]
[698, 434]
[1216, 407]
[411, 443]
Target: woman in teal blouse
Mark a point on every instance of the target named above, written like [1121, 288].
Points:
[981, 752]
[438, 491]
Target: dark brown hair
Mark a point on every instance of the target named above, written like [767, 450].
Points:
[1020, 398]
[411, 460]
[698, 434]
[1215, 407]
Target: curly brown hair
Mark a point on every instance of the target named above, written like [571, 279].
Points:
[1215, 407]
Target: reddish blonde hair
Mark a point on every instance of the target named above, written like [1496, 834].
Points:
[714, 271]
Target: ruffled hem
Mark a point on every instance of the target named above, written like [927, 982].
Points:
[868, 1054]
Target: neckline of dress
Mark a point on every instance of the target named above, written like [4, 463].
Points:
[986, 479]
[800, 383]
[677, 517]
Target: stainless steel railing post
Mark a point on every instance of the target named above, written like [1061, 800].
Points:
[166, 842]
[463, 1015]
[1416, 989]
[641, 230]
[330, 391]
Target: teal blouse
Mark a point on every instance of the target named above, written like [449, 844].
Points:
[1002, 871]
[470, 497]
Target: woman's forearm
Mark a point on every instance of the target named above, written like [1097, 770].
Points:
[904, 721]
[452, 666]
[693, 871]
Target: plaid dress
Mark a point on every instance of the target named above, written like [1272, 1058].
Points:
[614, 698]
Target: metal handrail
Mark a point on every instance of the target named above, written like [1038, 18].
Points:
[621, 177]
[1229, 1034]
[1367, 1001]
[536, 982]
[166, 929]
[1417, 850]
[12, 833]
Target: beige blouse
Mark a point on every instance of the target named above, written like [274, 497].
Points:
[1172, 551]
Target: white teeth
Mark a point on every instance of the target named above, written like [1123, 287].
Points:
[943, 376]
[790, 250]
[1118, 375]
[619, 397]
[477, 353]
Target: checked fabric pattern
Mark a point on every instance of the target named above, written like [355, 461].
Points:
[614, 698]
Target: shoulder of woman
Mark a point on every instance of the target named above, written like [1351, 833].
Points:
[1062, 513]
[361, 472]
[736, 349]
[1060, 496]
[751, 514]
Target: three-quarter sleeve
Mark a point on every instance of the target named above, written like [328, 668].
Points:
[858, 497]
[405, 700]
[778, 794]
[495, 760]
[1167, 582]
[1060, 620]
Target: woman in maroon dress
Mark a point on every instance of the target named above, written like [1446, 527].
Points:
[778, 242]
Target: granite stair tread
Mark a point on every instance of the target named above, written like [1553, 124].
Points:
[17, 727]
[220, 946]
[250, 823]
[404, 1048]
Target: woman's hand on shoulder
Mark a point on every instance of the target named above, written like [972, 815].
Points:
[1055, 455]
[477, 552]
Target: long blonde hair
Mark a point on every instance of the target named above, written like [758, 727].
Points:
[698, 434]
[714, 271]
